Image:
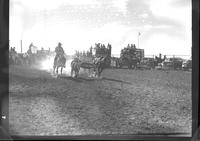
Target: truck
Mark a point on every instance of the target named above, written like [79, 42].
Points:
[130, 57]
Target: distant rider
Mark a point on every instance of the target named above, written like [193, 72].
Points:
[59, 51]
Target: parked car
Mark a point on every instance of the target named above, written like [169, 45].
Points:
[187, 65]
[174, 63]
[146, 63]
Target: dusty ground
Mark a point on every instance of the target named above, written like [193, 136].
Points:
[122, 102]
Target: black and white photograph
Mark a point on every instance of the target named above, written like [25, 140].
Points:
[100, 67]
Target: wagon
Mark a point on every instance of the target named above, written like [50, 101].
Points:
[87, 65]
[187, 65]
[86, 62]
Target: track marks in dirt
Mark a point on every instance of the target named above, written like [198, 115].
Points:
[106, 106]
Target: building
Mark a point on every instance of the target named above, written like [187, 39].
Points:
[33, 49]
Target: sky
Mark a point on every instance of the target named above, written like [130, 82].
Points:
[165, 25]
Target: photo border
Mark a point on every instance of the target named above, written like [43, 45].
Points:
[4, 84]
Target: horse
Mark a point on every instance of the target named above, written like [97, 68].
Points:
[100, 64]
[75, 67]
[14, 58]
[59, 63]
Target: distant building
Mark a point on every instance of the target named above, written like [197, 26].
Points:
[34, 49]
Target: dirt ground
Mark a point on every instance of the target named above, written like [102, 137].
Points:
[122, 102]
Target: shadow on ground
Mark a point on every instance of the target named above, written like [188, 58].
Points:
[81, 79]
[116, 80]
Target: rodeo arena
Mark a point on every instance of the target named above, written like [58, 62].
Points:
[95, 93]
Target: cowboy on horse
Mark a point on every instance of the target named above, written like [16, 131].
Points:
[59, 51]
[59, 60]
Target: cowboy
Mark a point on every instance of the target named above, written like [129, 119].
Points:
[59, 51]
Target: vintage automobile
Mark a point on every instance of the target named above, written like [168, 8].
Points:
[187, 65]
[146, 63]
[130, 57]
[174, 63]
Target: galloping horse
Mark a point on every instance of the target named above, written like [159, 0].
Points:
[59, 63]
[100, 64]
[75, 67]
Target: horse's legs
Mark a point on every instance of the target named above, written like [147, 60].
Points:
[14, 61]
[61, 70]
[95, 72]
[75, 74]
[57, 70]
[99, 71]
[71, 72]
[78, 72]
[54, 69]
